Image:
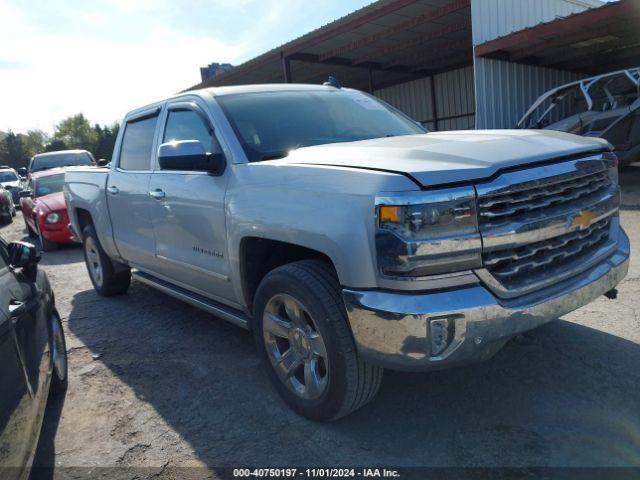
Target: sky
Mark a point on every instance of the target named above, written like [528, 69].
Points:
[103, 58]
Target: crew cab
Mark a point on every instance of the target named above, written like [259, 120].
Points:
[347, 238]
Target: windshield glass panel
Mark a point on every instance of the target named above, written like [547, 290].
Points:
[8, 177]
[60, 160]
[49, 185]
[271, 124]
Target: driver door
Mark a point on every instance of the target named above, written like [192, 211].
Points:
[189, 213]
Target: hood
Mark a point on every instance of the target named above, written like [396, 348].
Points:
[52, 202]
[448, 157]
[15, 184]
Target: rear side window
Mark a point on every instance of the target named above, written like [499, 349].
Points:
[137, 143]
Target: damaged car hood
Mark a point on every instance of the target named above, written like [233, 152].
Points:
[448, 157]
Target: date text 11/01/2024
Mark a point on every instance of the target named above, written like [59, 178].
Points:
[317, 472]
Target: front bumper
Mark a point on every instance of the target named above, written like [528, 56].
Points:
[393, 329]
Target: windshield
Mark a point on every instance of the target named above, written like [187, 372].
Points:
[271, 124]
[48, 185]
[60, 160]
[8, 177]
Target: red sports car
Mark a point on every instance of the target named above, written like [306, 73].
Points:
[44, 209]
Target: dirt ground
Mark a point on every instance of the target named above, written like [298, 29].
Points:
[157, 383]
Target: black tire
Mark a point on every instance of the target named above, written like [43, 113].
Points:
[58, 346]
[115, 281]
[351, 382]
[30, 231]
[46, 245]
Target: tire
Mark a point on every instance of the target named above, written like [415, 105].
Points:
[342, 381]
[106, 279]
[58, 348]
[30, 231]
[46, 245]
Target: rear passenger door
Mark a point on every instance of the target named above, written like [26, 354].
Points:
[189, 216]
[128, 190]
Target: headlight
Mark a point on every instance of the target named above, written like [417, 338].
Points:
[55, 217]
[427, 233]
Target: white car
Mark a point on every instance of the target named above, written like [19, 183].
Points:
[10, 180]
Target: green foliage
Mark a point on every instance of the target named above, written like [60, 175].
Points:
[12, 152]
[74, 132]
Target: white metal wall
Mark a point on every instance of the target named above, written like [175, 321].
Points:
[505, 90]
[454, 98]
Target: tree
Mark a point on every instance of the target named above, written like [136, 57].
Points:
[76, 132]
[55, 145]
[106, 140]
[12, 152]
[34, 142]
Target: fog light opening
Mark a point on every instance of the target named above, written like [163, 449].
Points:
[441, 334]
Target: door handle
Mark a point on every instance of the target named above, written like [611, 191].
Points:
[157, 194]
[113, 190]
[17, 308]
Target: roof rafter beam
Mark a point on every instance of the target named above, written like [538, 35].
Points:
[422, 58]
[401, 27]
[417, 41]
[345, 62]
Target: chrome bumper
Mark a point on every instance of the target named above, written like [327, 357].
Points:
[394, 329]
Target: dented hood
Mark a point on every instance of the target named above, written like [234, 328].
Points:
[449, 157]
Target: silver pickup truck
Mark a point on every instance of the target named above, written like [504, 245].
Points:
[344, 236]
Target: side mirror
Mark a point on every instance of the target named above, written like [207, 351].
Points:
[103, 162]
[190, 155]
[24, 193]
[25, 256]
[22, 171]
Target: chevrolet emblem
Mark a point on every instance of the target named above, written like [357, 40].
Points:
[583, 220]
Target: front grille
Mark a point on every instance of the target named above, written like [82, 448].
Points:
[530, 223]
[532, 263]
[532, 199]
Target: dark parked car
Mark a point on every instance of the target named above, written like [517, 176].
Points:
[33, 358]
[7, 207]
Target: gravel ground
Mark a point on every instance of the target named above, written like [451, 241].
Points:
[157, 383]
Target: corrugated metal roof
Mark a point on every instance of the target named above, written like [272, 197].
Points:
[399, 40]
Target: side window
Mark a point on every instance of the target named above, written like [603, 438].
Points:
[188, 125]
[137, 143]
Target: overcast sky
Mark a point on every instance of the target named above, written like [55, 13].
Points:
[105, 57]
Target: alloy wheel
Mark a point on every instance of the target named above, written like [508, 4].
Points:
[295, 347]
[58, 349]
[94, 263]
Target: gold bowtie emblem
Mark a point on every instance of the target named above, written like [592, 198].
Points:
[584, 219]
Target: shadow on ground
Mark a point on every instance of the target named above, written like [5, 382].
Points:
[568, 395]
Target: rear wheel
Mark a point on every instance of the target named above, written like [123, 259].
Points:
[302, 333]
[106, 278]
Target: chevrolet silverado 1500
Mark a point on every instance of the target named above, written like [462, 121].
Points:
[344, 236]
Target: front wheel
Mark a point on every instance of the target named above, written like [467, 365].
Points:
[58, 348]
[106, 279]
[302, 333]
